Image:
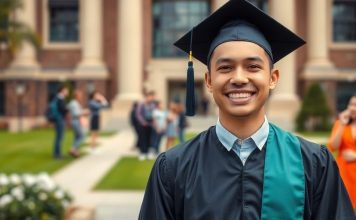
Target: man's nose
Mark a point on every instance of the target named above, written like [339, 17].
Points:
[239, 77]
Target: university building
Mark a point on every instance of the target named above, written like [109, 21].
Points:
[124, 47]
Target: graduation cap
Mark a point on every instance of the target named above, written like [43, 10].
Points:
[237, 20]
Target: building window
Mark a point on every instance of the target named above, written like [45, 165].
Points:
[2, 99]
[171, 20]
[63, 21]
[344, 92]
[344, 21]
[261, 4]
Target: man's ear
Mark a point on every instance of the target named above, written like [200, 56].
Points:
[274, 79]
[208, 81]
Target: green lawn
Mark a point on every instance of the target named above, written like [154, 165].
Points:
[31, 151]
[128, 174]
[321, 134]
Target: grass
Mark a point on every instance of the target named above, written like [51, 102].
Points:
[31, 151]
[128, 174]
[320, 134]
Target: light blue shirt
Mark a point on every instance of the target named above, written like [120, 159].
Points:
[243, 148]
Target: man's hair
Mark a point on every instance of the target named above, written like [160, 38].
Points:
[150, 93]
[91, 96]
[61, 88]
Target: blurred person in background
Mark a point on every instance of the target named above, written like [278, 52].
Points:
[78, 119]
[182, 122]
[159, 128]
[96, 103]
[205, 105]
[172, 124]
[343, 140]
[59, 122]
[143, 113]
[134, 123]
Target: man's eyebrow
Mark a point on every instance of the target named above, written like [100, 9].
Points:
[229, 60]
[255, 58]
[223, 60]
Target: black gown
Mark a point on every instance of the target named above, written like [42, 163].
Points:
[200, 179]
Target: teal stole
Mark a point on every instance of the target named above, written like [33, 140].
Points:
[284, 183]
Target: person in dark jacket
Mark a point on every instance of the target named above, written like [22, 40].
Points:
[134, 123]
[59, 122]
[96, 103]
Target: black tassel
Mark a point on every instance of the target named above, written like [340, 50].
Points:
[190, 99]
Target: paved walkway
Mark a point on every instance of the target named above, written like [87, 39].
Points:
[81, 176]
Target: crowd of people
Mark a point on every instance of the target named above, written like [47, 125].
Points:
[79, 119]
[152, 122]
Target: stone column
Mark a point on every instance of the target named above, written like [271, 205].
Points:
[130, 47]
[318, 63]
[25, 59]
[92, 63]
[284, 103]
[130, 62]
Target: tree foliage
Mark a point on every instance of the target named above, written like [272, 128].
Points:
[315, 113]
[13, 33]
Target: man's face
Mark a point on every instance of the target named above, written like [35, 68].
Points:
[240, 78]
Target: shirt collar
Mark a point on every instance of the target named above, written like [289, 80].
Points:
[228, 139]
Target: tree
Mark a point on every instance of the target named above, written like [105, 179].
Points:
[314, 114]
[12, 32]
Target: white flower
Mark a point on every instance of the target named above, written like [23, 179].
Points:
[5, 200]
[59, 194]
[18, 193]
[42, 196]
[28, 179]
[15, 179]
[3, 180]
[45, 182]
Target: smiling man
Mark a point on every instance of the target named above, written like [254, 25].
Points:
[244, 167]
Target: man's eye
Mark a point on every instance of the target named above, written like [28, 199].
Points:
[254, 67]
[224, 68]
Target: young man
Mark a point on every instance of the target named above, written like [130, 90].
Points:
[244, 167]
[59, 122]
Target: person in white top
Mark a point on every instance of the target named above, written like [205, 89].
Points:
[159, 126]
[77, 112]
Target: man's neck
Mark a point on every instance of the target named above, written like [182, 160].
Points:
[242, 127]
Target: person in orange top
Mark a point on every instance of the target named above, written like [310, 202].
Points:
[343, 138]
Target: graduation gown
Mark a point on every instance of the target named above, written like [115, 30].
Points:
[200, 179]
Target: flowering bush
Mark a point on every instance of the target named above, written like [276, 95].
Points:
[34, 197]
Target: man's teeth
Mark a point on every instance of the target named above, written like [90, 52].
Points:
[239, 95]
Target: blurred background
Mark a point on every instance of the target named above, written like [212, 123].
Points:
[123, 48]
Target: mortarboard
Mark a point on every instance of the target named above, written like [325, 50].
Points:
[237, 20]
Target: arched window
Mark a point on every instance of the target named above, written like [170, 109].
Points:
[172, 19]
